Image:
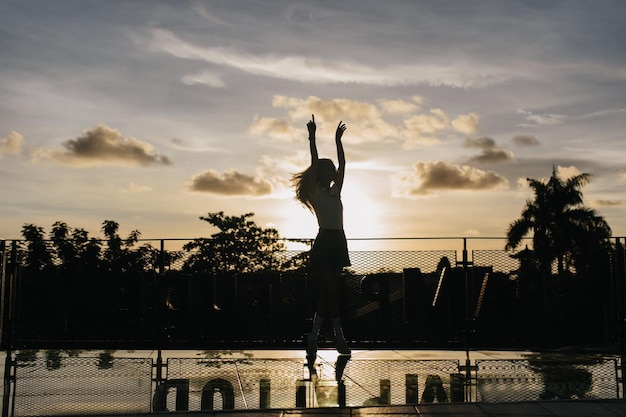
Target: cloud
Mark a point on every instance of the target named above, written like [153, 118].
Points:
[399, 106]
[567, 172]
[206, 14]
[100, 146]
[230, 183]
[12, 144]
[279, 171]
[482, 142]
[471, 232]
[136, 188]
[490, 152]
[366, 122]
[428, 124]
[275, 128]
[525, 140]
[493, 155]
[608, 203]
[204, 77]
[466, 123]
[542, 119]
[332, 109]
[312, 70]
[429, 128]
[440, 175]
[602, 113]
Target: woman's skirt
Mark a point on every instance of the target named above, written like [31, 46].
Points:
[330, 248]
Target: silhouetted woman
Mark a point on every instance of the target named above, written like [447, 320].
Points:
[319, 188]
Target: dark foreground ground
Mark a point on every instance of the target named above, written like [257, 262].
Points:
[556, 408]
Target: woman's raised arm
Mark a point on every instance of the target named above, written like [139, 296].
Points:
[341, 157]
[311, 127]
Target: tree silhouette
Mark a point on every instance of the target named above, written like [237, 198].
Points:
[240, 246]
[38, 256]
[76, 286]
[563, 228]
[74, 249]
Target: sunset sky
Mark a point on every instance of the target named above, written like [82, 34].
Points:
[153, 113]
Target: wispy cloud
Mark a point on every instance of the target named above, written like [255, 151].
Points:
[608, 203]
[136, 188]
[541, 119]
[102, 145]
[205, 77]
[602, 113]
[307, 69]
[202, 10]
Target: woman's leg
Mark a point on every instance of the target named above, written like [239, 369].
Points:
[327, 301]
[320, 312]
[329, 296]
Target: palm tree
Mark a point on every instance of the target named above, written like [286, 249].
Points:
[563, 228]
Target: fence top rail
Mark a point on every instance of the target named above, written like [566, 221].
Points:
[304, 239]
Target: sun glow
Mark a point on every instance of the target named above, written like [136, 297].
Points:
[298, 223]
[364, 221]
[360, 216]
[361, 213]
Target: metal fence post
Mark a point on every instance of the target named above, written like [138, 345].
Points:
[161, 313]
[469, 325]
[7, 382]
[8, 280]
[620, 277]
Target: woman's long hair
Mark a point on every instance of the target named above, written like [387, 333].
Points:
[299, 181]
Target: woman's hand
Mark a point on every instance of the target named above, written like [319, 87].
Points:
[311, 127]
[341, 127]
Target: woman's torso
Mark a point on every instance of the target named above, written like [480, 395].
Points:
[328, 208]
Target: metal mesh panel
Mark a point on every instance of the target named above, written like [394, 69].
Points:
[86, 385]
[524, 380]
[243, 377]
[500, 260]
[370, 382]
[364, 262]
[194, 300]
[503, 261]
[81, 385]
[365, 381]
